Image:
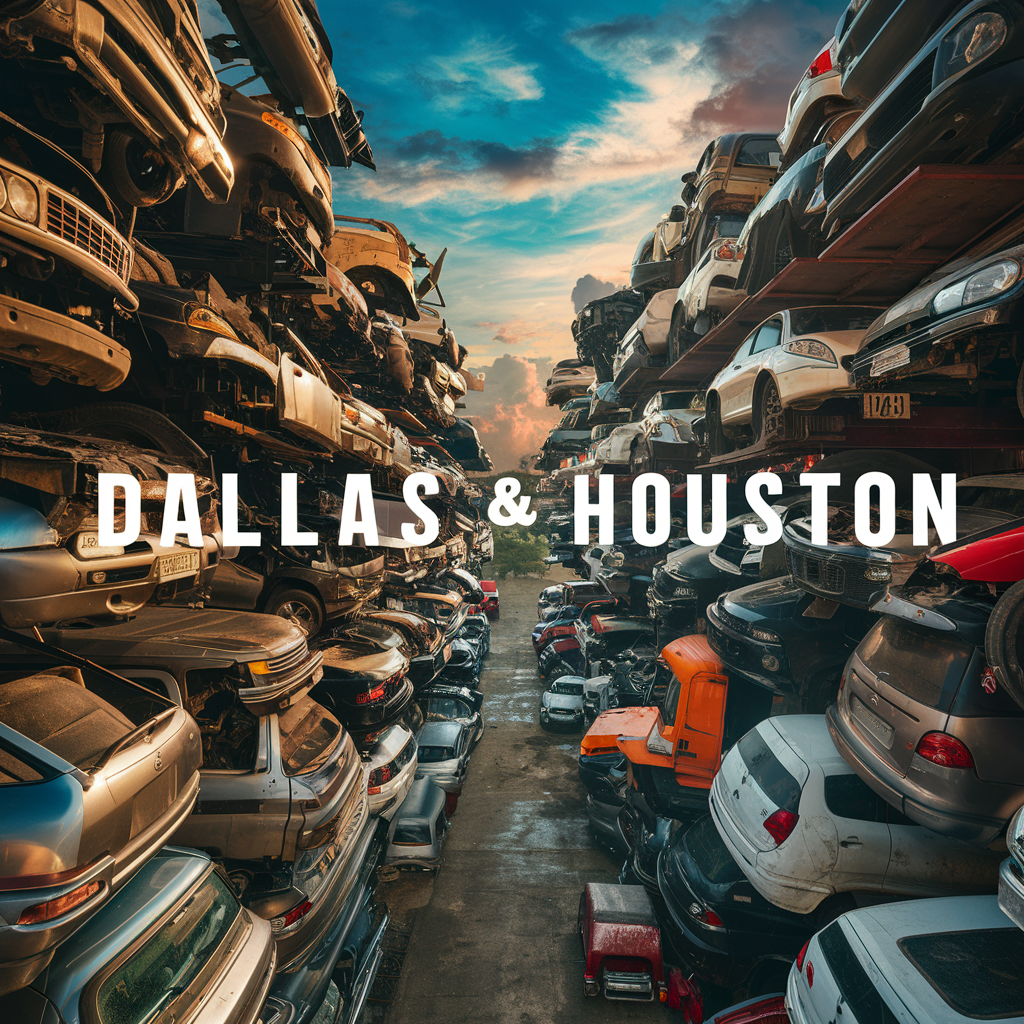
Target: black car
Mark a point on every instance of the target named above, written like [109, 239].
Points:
[603, 809]
[717, 921]
[955, 334]
[787, 640]
[956, 102]
[464, 665]
[473, 699]
[607, 637]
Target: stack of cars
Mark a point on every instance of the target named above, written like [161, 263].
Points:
[219, 736]
[806, 752]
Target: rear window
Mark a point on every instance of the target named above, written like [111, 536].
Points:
[147, 984]
[710, 854]
[677, 399]
[768, 772]
[855, 987]
[993, 987]
[412, 835]
[444, 708]
[431, 755]
[1001, 499]
[821, 319]
[925, 664]
[309, 733]
[759, 153]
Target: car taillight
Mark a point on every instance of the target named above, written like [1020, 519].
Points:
[780, 825]
[712, 918]
[297, 913]
[726, 251]
[942, 749]
[810, 974]
[378, 777]
[821, 63]
[369, 698]
[800, 956]
[60, 905]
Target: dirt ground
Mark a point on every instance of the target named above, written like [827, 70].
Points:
[492, 939]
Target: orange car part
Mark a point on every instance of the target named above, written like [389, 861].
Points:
[610, 725]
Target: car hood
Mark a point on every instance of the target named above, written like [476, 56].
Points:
[770, 599]
[561, 701]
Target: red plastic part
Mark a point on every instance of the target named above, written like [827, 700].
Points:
[780, 825]
[942, 749]
[998, 559]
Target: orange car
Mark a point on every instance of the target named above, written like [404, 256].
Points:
[598, 750]
[673, 760]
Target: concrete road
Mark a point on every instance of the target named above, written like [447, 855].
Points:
[493, 936]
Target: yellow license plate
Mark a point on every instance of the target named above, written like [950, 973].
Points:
[881, 406]
[174, 567]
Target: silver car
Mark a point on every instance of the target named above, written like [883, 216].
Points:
[390, 768]
[419, 828]
[444, 753]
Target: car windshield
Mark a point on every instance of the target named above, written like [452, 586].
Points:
[676, 399]
[825, 319]
[309, 733]
[768, 772]
[143, 989]
[443, 707]
[431, 755]
[1002, 499]
[412, 835]
[565, 687]
[759, 153]
[710, 854]
[993, 988]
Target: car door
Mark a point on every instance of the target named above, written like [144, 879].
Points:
[863, 848]
[729, 380]
[766, 341]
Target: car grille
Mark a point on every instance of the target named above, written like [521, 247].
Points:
[291, 659]
[828, 577]
[75, 224]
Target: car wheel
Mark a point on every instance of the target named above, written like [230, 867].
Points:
[1003, 641]
[718, 443]
[301, 607]
[769, 417]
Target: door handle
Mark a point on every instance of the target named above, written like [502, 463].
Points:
[853, 843]
[738, 366]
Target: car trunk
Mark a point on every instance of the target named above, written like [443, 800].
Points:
[900, 684]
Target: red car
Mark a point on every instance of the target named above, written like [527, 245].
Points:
[621, 943]
[489, 605]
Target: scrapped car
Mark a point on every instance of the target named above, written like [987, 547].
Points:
[645, 344]
[478, 634]
[444, 750]
[621, 943]
[578, 592]
[489, 605]
[452, 707]
[428, 652]
[176, 941]
[804, 828]
[1011, 873]
[606, 637]
[418, 830]
[570, 378]
[464, 666]
[796, 359]
[665, 441]
[707, 295]
[912, 121]
[951, 332]
[603, 809]
[561, 704]
[600, 326]
[378, 260]
[89, 796]
[922, 721]
[926, 960]
[390, 768]
[473, 699]
[599, 753]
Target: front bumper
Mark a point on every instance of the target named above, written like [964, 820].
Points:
[749, 657]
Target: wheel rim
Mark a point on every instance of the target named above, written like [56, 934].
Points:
[300, 614]
[771, 410]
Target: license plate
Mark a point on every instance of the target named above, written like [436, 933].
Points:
[173, 567]
[880, 406]
[890, 359]
[882, 731]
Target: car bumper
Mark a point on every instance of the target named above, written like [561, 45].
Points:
[386, 803]
[750, 657]
[1011, 891]
[569, 723]
[812, 383]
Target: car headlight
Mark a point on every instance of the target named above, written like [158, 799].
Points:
[202, 318]
[764, 635]
[985, 284]
[970, 42]
[23, 198]
[810, 349]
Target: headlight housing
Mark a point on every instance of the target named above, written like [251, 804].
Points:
[969, 43]
[24, 199]
[983, 285]
[810, 349]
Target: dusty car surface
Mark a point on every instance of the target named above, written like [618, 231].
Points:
[845, 839]
[665, 441]
[570, 378]
[390, 769]
[795, 359]
[377, 259]
[82, 807]
[708, 294]
[418, 830]
[429, 651]
[444, 749]
[175, 941]
[561, 704]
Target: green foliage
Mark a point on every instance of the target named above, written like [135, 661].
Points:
[517, 552]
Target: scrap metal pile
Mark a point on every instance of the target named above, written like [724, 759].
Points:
[207, 749]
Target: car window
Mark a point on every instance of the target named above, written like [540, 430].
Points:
[993, 987]
[309, 734]
[677, 400]
[744, 349]
[759, 153]
[856, 989]
[431, 755]
[705, 159]
[668, 707]
[13, 769]
[444, 707]
[768, 772]
[822, 319]
[710, 854]
[848, 796]
[1002, 499]
[412, 835]
[150, 980]
[768, 336]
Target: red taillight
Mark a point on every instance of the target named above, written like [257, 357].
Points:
[821, 63]
[297, 913]
[942, 749]
[780, 825]
[369, 698]
[61, 905]
[712, 918]
[810, 974]
[800, 956]
[378, 777]
[726, 251]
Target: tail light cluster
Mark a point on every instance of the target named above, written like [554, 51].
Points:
[705, 915]
[378, 777]
[371, 696]
[944, 750]
[297, 913]
[800, 958]
[780, 824]
[821, 63]
[60, 905]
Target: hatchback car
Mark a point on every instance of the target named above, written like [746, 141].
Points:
[561, 704]
[390, 767]
[952, 960]
[795, 359]
[490, 605]
[453, 708]
[921, 719]
[444, 751]
[804, 828]
[419, 828]
[175, 945]
[89, 795]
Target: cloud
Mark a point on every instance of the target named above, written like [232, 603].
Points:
[588, 288]
[510, 413]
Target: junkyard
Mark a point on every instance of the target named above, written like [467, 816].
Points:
[315, 711]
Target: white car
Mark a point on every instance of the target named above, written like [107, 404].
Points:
[797, 359]
[569, 379]
[390, 768]
[804, 828]
[945, 961]
[706, 297]
[617, 448]
[646, 342]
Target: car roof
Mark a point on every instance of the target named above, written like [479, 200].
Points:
[439, 734]
[152, 891]
[1011, 481]
[422, 803]
[809, 738]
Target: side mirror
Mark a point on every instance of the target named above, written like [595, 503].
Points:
[689, 178]
[677, 214]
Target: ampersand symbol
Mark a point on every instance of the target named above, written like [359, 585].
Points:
[505, 509]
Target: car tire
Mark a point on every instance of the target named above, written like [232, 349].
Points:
[768, 415]
[130, 424]
[1002, 641]
[718, 443]
[299, 606]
